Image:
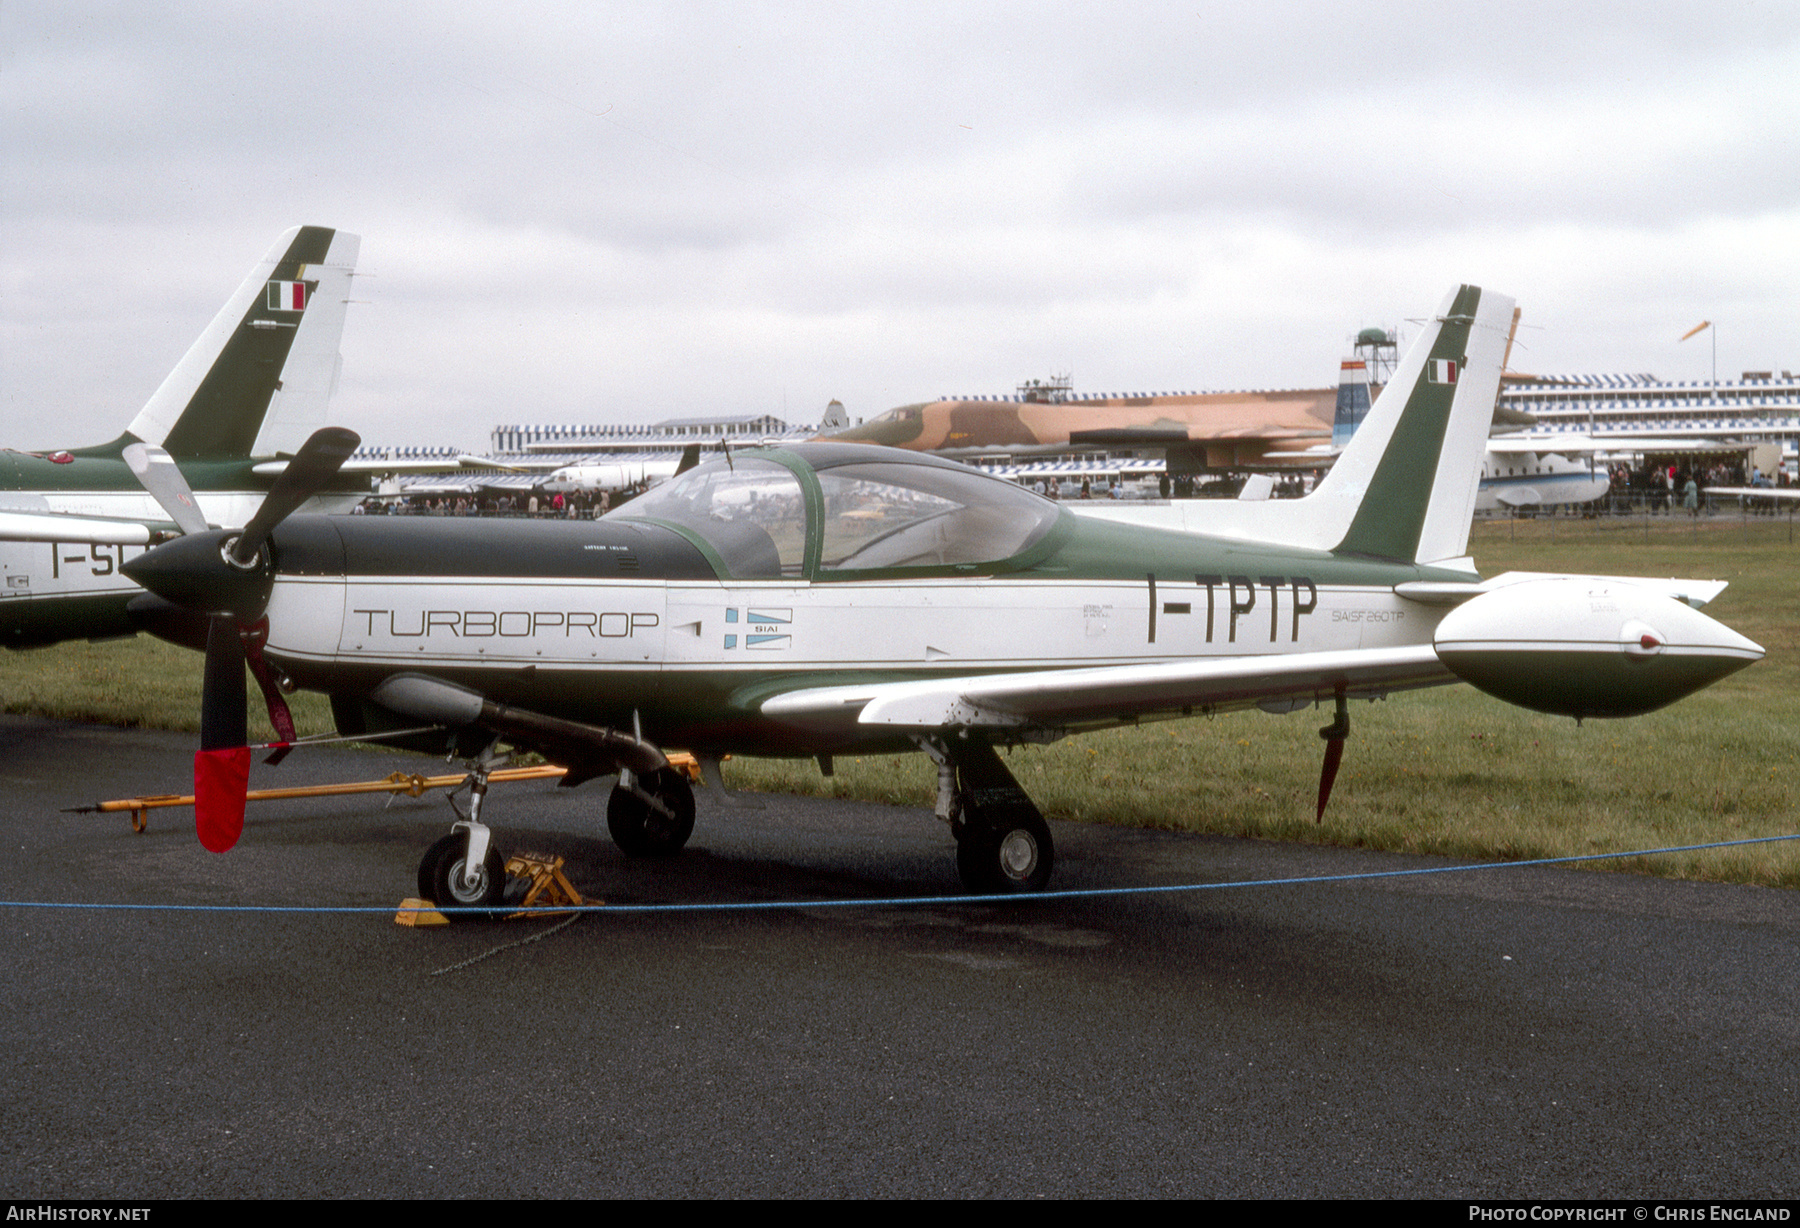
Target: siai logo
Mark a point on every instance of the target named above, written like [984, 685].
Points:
[763, 630]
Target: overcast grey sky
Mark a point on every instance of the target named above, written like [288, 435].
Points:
[593, 212]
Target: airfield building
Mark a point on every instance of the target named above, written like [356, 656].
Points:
[1761, 407]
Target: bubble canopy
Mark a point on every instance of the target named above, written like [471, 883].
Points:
[836, 511]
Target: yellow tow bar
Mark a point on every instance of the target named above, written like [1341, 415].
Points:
[412, 784]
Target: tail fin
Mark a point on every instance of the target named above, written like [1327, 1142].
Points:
[1412, 470]
[260, 377]
[1352, 401]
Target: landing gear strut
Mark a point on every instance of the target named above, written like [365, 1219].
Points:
[650, 812]
[1003, 845]
[463, 869]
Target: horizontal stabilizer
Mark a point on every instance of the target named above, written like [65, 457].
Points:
[18, 526]
[1695, 593]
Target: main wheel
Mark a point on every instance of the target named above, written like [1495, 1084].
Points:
[441, 878]
[1001, 858]
[639, 829]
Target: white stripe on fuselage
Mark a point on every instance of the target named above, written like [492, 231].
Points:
[949, 625]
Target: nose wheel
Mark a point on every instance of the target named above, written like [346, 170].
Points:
[445, 879]
[464, 870]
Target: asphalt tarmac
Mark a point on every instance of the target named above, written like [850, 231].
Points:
[1506, 1033]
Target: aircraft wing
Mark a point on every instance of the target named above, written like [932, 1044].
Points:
[1104, 695]
[1754, 492]
[1546, 445]
[1175, 436]
[17, 526]
[442, 464]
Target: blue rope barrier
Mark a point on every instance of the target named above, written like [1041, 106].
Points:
[893, 901]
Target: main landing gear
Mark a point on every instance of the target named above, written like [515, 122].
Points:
[651, 814]
[1003, 845]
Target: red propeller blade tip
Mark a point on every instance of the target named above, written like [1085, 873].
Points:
[221, 779]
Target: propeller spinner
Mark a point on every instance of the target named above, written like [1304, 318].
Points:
[229, 576]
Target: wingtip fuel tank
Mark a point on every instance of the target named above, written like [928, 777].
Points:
[1586, 647]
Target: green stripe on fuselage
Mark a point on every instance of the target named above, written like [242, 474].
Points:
[1117, 550]
[29, 623]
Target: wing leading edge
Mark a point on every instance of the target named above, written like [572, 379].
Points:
[1090, 698]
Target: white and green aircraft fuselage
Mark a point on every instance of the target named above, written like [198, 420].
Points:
[828, 598]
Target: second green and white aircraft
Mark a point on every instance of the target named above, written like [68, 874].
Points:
[257, 380]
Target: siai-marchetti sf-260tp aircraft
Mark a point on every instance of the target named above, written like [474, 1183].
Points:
[833, 598]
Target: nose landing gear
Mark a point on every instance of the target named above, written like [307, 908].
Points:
[463, 871]
[445, 878]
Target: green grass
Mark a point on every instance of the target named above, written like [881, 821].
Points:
[141, 682]
[1446, 771]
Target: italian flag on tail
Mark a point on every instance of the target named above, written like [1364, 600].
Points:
[287, 296]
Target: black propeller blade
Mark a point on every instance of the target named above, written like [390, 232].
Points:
[224, 713]
[231, 580]
[317, 462]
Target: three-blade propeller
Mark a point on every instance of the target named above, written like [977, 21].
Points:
[229, 577]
